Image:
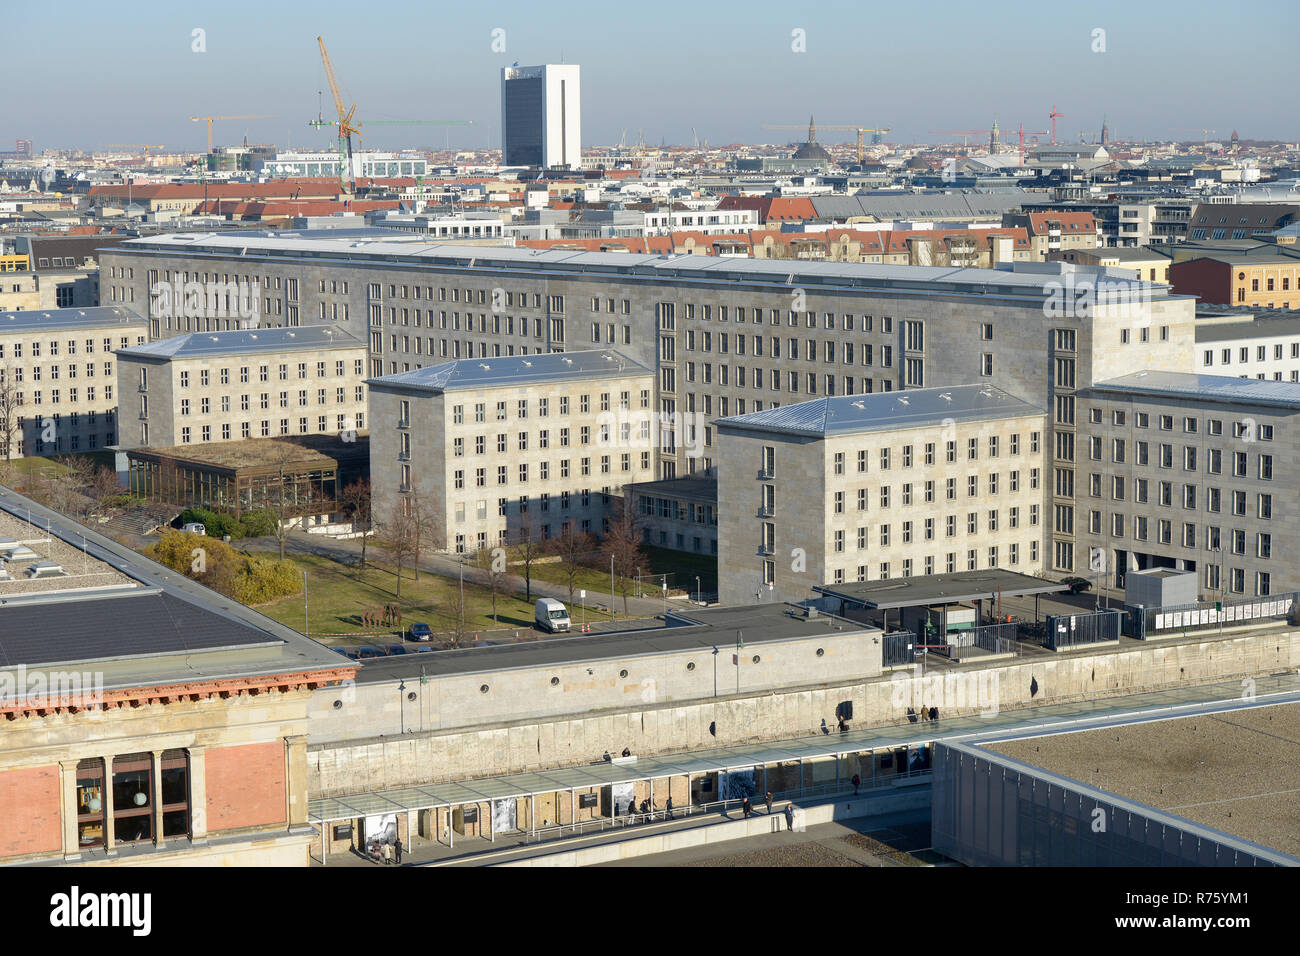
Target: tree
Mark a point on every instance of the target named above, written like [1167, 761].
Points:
[102, 488]
[9, 405]
[623, 545]
[492, 562]
[355, 501]
[572, 546]
[531, 547]
[397, 533]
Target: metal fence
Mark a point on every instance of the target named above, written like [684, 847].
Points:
[1144, 622]
[898, 648]
[982, 641]
[1074, 630]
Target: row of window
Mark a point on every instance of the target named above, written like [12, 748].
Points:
[37, 395]
[1243, 354]
[542, 405]
[1244, 429]
[1190, 458]
[544, 471]
[927, 565]
[342, 423]
[39, 446]
[205, 403]
[263, 373]
[52, 371]
[1165, 495]
[1213, 538]
[15, 349]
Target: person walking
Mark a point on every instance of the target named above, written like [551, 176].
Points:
[768, 798]
[789, 816]
[397, 851]
[668, 809]
[386, 851]
[857, 782]
[746, 808]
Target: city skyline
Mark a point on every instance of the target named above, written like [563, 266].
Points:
[708, 74]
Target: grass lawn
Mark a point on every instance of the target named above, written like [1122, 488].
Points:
[337, 594]
[681, 566]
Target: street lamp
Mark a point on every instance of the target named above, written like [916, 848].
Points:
[697, 589]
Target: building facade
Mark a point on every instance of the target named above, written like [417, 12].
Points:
[1249, 344]
[927, 481]
[492, 450]
[1194, 472]
[225, 386]
[729, 336]
[64, 377]
[541, 116]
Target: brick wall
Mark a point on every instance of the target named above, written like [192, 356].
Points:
[29, 811]
[246, 786]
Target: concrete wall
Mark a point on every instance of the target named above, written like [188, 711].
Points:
[659, 728]
[446, 702]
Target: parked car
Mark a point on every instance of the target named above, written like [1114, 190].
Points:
[423, 650]
[420, 631]
[367, 652]
[195, 527]
[396, 649]
[1077, 585]
[352, 652]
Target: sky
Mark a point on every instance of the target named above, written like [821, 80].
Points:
[132, 72]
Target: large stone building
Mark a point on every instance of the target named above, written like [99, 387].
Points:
[61, 367]
[147, 720]
[1195, 472]
[498, 447]
[223, 386]
[920, 482]
[727, 336]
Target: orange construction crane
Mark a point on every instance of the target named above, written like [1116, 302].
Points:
[346, 127]
[209, 119]
[1054, 115]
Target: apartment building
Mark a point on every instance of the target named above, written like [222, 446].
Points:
[63, 372]
[19, 291]
[1194, 472]
[1051, 232]
[224, 386]
[1145, 263]
[926, 481]
[493, 447]
[1249, 344]
[1257, 281]
[727, 336]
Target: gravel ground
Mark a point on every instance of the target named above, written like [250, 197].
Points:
[1238, 772]
[800, 854]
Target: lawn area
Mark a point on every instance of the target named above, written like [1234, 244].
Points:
[681, 566]
[337, 594]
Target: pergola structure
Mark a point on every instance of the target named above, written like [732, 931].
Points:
[803, 752]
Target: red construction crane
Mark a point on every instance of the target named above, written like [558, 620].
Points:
[1022, 132]
[1054, 115]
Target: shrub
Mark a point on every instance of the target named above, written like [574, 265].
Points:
[216, 524]
[257, 524]
[247, 579]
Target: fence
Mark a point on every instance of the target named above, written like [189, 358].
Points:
[1075, 630]
[898, 648]
[982, 641]
[1144, 622]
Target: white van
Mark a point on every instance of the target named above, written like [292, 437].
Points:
[195, 527]
[552, 616]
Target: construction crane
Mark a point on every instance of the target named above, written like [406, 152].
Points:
[1021, 134]
[209, 119]
[347, 127]
[963, 133]
[1054, 116]
[857, 129]
[1205, 136]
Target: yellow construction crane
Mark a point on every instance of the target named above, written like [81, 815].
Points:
[858, 129]
[346, 129]
[141, 146]
[209, 119]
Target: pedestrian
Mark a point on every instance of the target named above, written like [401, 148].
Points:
[844, 728]
[397, 850]
[934, 713]
[925, 713]
[857, 782]
[668, 809]
[387, 852]
[746, 808]
[789, 816]
[627, 751]
[645, 807]
[768, 798]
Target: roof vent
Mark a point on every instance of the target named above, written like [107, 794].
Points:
[904, 401]
[485, 366]
[567, 361]
[946, 396]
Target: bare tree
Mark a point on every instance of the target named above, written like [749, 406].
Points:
[397, 533]
[101, 488]
[572, 546]
[492, 562]
[531, 547]
[9, 414]
[623, 545]
[355, 500]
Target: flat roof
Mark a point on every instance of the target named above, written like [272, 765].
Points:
[169, 630]
[940, 588]
[246, 341]
[59, 320]
[1193, 385]
[1258, 327]
[252, 453]
[698, 489]
[851, 276]
[884, 411]
[503, 371]
[1237, 773]
[702, 629]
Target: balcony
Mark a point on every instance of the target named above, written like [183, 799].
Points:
[766, 512]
